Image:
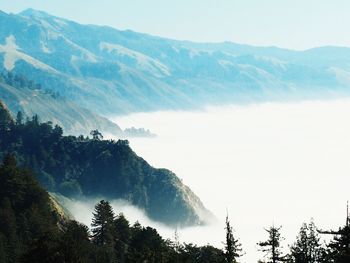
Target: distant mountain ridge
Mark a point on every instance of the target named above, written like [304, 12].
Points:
[31, 100]
[114, 72]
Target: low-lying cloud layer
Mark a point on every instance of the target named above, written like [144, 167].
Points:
[82, 210]
[280, 163]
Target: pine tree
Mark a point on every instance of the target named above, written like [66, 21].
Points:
[272, 247]
[103, 232]
[123, 233]
[338, 250]
[307, 248]
[19, 118]
[233, 248]
[96, 135]
[102, 223]
[75, 243]
[339, 247]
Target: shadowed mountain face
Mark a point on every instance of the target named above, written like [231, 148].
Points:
[113, 72]
[82, 167]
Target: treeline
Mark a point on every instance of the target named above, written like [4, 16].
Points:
[20, 82]
[308, 247]
[32, 230]
[76, 166]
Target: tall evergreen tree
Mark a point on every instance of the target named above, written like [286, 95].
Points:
[103, 232]
[233, 248]
[272, 247]
[19, 118]
[103, 223]
[339, 247]
[123, 234]
[338, 250]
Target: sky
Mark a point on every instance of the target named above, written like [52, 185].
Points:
[293, 24]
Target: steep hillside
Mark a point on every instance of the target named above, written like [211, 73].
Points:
[26, 211]
[78, 166]
[34, 228]
[112, 72]
[19, 94]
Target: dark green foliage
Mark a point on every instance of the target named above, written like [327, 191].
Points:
[190, 253]
[272, 247]
[233, 248]
[103, 227]
[44, 249]
[103, 231]
[96, 135]
[25, 213]
[69, 244]
[31, 230]
[210, 254]
[75, 243]
[146, 245]
[307, 248]
[339, 247]
[77, 166]
[19, 118]
[123, 233]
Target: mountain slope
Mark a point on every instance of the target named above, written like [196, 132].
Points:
[34, 228]
[26, 211]
[77, 166]
[116, 72]
[22, 95]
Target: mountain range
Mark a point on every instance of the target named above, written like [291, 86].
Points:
[77, 76]
[110, 71]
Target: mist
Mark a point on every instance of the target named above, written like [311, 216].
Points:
[270, 163]
[82, 211]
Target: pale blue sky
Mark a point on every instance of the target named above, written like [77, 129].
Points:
[295, 24]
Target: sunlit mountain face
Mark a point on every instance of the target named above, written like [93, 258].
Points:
[113, 71]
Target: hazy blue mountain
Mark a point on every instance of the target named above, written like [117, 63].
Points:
[59, 110]
[110, 71]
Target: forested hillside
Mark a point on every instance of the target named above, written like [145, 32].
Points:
[31, 230]
[26, 212]
[81, 166]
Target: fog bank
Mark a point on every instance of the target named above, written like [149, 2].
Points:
[280, 163]
[82, 210]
